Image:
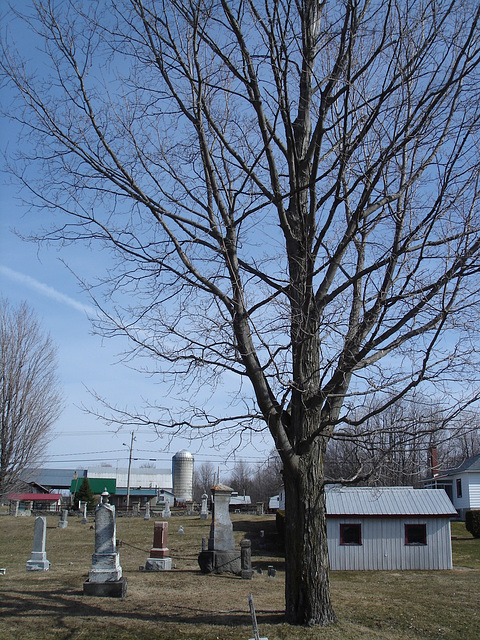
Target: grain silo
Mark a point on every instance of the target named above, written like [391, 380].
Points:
[182, 472]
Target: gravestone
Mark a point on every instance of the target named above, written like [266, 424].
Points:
[166, 513]
[204, 508]
[159, 559]
[246, 559]
[38, 559]
[63, 522]
[147, 511]
[189, 505]
[84, 508]
[221, 556]
[105, 577]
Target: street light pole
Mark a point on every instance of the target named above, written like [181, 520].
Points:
[129, 469]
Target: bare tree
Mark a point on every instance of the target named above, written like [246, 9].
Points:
[290, 191]
[203, 479]
[241, 479]
[30, 402]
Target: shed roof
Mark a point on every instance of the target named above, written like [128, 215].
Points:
[388, 501]
[35, 497]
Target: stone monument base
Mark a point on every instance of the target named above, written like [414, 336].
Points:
[158, 564]
[220, 562]
[38, 562]
[111, 589]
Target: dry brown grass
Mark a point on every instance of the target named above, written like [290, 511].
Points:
[185, 604]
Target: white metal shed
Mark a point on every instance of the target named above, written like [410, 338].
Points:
[389, 528]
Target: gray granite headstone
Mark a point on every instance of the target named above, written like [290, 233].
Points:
[246, 559]
[204, 508]
[38, 559]
[63, 522]
[147, 512]
[166, 513]
[105, 576]
[84, 517]
[221, 556]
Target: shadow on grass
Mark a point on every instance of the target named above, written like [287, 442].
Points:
[56, 605]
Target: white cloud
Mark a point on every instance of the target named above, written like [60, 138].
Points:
[47, 290]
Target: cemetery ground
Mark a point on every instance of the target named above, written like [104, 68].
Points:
[184, 604]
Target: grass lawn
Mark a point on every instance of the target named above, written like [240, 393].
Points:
[185, 604]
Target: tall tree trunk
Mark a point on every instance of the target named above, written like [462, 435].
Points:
[307, 587]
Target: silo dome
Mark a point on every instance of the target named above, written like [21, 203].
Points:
[182, 472]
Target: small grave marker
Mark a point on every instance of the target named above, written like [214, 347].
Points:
[254, 620]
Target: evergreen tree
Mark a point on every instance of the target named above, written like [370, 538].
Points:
[85, 494]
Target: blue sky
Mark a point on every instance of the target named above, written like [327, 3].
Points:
[40, 277]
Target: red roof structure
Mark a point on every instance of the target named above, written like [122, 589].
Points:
[35, 497]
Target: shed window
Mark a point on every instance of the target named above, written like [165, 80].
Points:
[415, 534]
[351, 534]
[459, 487]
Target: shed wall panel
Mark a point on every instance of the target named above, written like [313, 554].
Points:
[383, 545]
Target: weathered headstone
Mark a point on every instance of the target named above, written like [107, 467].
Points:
[105, 577]
[246, 559]
[84, 518]
[147, 512]
[260, 508]
[38, 559]
[63, 522]
[204, 508]
[159, 559]
[166, 513]
[221, 556]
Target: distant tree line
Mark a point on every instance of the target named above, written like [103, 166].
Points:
[259, 481]
[391, 448]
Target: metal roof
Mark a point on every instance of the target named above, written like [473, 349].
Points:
[55, 478]
[35, 497]
[387, 501]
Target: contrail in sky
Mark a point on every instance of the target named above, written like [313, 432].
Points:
[46, 290]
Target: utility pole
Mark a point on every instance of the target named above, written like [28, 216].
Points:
[129, 469]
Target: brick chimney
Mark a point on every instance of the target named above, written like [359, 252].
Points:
[433, 460]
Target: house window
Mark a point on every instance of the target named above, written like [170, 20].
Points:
[415, 534]
[459, 487]
[351, 534]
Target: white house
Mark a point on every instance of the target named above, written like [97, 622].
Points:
[390, 528]
[462, 485]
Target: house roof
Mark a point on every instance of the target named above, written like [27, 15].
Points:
[35, 497]
[470, 465]
[387, 501]
[54, 478]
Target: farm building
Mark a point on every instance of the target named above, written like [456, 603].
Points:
[390, 528]
[27, 502]
[461, 484]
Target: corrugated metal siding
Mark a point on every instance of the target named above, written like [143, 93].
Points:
[383, 545]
